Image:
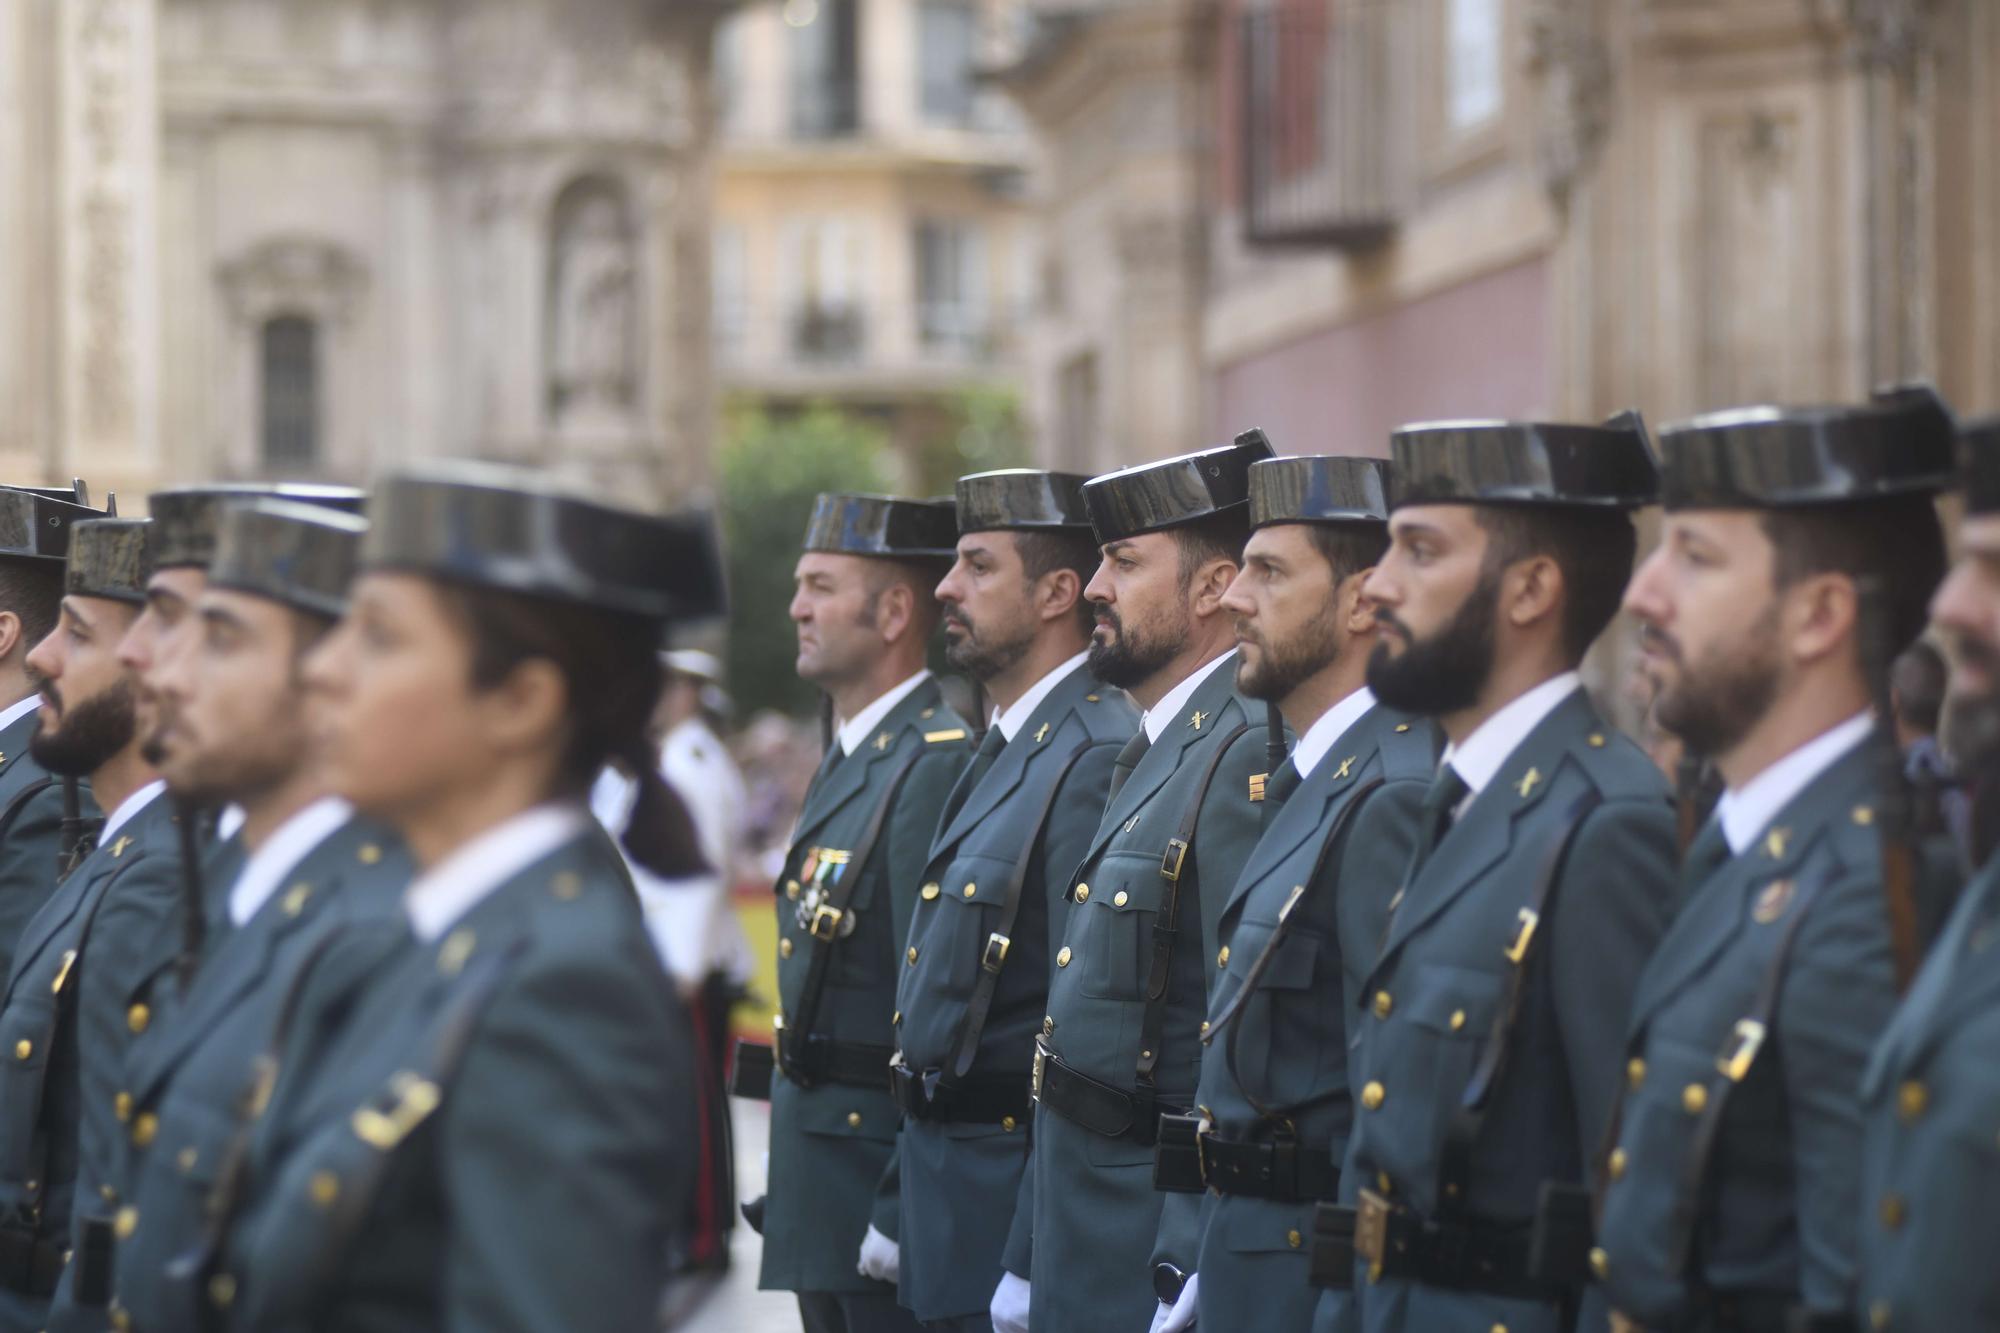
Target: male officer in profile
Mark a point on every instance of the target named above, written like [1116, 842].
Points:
[1927, 1209]
[238, 730]
[1488, 1038]
[94, 964]
[1120, 1044]
[990, 910]
[864, 610]
[1274, 1101]
[34, 539]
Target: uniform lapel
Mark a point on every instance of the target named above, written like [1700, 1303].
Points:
[1960, 976]
[1034, 740]
[1163, 760]
[1312, 809]
[856, 773]
[13, 745]
[54, 916]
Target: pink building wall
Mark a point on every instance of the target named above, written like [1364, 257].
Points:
[1479, 349]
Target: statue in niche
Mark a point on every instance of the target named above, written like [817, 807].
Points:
[594, 309]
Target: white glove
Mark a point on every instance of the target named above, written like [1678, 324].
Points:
[1009, 1310]
[1161, 1313]
[880, 1257]
[1181, 1317]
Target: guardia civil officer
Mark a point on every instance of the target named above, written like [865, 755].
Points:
[864, 611]
[496, 1132]
[1274, 1100]
[34, 539]
[93, 964]
[1120, 1044]
[1491, 1022]
[1930, 1158]
[239, 730]
[1793, 540]
[990, 910]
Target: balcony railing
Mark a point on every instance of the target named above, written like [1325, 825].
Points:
[829, 334]
[828, 108]
[1327, 115]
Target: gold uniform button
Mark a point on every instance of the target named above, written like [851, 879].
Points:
[325, 1188]
[854, 1120]
[1635, 1072]
[1062, 959]
[121, 1106]
[911, 955]
[1204, 1027]
[1597, 740]
[125, 1223]
[928, 892]
[121, 1320]
[1878, 1316]
[1600, 1263]
[1119, 899]
[970, 890]
[1373, 1095]
[1499, 1328]
[1616, 1166]
[23, 1049]
[1457, 1019]
[792, 890]
[1293, 1238]
[1222, 958]
[107, 1193]
[1007, 1123]
[138, 1018]
[784, 948]
[1893, 1211]
[144, 1128]
[1082, 894]
[1384, 1003]
[1911, 1099]
[187, 1159]
[370, 854]
[222, 1290]
[1694, 1099]
[567, 886]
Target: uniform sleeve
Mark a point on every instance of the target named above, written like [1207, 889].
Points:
[565, 1152]
[1225, 834]
[1618, 885]
[911, 830]
[28, 856]
[1838, 996]
[1072, 826]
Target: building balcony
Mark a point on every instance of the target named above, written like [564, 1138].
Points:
[1327, 111]
[852, 351]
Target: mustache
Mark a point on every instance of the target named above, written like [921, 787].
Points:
[1386, 620]
[1655, 639]
[51, 695]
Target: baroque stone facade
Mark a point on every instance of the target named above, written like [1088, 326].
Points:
[306, 237]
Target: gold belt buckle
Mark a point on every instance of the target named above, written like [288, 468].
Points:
[826, 921]
[1742, 1052]
[1371, 1231]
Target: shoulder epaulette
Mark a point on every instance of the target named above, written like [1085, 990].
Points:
[1618, 766]
[949, 734]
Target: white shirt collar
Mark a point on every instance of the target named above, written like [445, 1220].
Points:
[230, 822]
[1017, 714]
[1332, 724]
[1479, 758]
[128, 808]
[19, 709]
[855, 731]
[286, 845]
[1156, 718]
[454, 886]
[1746, 811]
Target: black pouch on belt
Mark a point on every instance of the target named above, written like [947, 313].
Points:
[750, 1070]
[1177, 1155]
[1559, 1247]
[94, 1251]
[1332, 1247]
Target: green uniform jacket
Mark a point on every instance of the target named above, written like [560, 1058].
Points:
[1087, 1243]
[960, 1181]
[1929, 1205]
[527, 1186]
[195, 1072]
[30, 832]
[1774, 1210]
[833, 1147]
[89, 974]
[1438, 983]
[1290, 1037]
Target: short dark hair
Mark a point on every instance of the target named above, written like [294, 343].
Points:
[1593, 548]
[923, 577]
[1046, 552]
[1895, 544]
[1219, 536]
[1917, 681]
[32, 590]
[1349, 547]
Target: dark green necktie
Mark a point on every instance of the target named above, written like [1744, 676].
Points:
[990, 746]
[1708, 853]
[1447, 790]
[1281, 784]
[1127, 760]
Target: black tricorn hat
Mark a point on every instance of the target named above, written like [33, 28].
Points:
[1901, 442]
[1152, 496]
[1022, 498]
[511, 529]
[189, 517]
[885, 525]
[1523, 462]
[298, 554]
[76, 493]
[1319, 488]
[110, 557]
[1980, 447]
[35, 524]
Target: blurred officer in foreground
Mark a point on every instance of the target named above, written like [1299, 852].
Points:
[1490, 1027]
[1120, 1045]
[1793, 541]
[495, 1133]
[238, 730]
[94, 964]
[34, 539]
[990, 910]
[1928, 1208]
[864, 612]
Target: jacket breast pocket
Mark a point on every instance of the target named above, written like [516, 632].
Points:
[1115, 927]
[1279, 1051]
[965, 913]
[1436, 1021]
